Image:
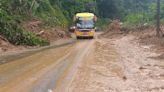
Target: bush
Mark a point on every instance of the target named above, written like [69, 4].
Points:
[102, 23]
[50, 15]
[13, 33]
[134, 18]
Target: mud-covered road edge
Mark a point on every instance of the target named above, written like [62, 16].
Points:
[11, 56]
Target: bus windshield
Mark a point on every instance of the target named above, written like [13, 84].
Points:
[85, 24]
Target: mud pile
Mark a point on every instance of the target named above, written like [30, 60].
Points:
[51, 34]
[5, 46]
[148, 37]
[145, 36]
[34, 26]
[113, 30]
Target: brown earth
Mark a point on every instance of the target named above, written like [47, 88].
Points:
[5, 46]
[34, 26]
[122, 63]
[51, 34]
[148, 37]
[115, 62]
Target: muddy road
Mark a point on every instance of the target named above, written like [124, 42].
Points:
[44, 71]
[120, 64]
[117, 64]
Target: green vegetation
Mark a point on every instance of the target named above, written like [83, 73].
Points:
[12, 13]
[60, 13]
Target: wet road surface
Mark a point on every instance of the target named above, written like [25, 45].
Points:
[115, 64]
[44, 71]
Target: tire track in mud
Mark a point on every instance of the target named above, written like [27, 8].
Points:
[102, 65]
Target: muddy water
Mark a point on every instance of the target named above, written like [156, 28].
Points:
[119, 65]
[51, 69]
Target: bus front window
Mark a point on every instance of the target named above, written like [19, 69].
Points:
[87, 24]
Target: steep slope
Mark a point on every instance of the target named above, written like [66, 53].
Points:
[16, 14]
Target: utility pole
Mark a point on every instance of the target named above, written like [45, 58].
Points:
[158, 18]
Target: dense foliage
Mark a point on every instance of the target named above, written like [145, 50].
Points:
[60, 13]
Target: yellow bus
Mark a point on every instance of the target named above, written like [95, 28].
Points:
[85, 25]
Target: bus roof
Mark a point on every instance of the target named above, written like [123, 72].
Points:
[85, 15]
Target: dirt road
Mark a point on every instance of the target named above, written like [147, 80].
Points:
[117, 64]
[120, 64]
[44, 71]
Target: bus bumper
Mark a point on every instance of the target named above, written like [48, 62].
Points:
[85, 34]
